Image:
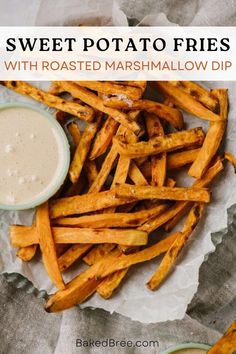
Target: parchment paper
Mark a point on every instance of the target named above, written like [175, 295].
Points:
[133, 299]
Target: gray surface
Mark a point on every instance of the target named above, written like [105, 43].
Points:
[24, 326]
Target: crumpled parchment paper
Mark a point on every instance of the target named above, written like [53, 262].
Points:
[133, 299]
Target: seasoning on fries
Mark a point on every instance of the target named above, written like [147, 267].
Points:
[119, 188]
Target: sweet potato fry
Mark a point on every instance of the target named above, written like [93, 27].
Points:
[159, 145]
[75, 188]
[122, 167]
[136, 175]
[82, 149]
[74, 131]
[198, 92]
[176, 193]
[83, 112]
[213, 137]
[98, 252]
[97, 103]
[90, 168]
[158, 163]
[175, 160]
[71, 255]
[154, 223]
[114, 261]
[85, 286]
[203, 182]
[116, 102]
[110, 160]
[107, 220]
[110, 284]
[104, 171]
[169, 114]
[22, 236]
[111, 88]
[104, 138]
[186, 101]
[107, 287]
[182, 158]
[140, 84]
[27, 253]
[177, 246]
[85, 203]
[227, 343]
[45, 239]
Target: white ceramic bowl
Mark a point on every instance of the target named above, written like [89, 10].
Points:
[186, 346]
[65, 165]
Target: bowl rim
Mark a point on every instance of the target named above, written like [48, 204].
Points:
[66, 157]
[191, 345]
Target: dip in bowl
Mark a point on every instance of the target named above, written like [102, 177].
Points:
[34, 156]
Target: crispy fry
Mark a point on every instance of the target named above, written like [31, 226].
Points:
[140, 84]
[109, 162]
[198, 92]
[158, 163]
[203, 182]
[176, 193]
[45, 239]
[159, 145]
[82, 150]
[98, 252]
[27, 253]
[179, 210]
[167, 113]
[73, 253]
[86, 203]
[182, 158]
[186, 101]
[74, 131]
[175, 249]
[83, 112]
[107, 220]
[155, 222]
[123, 165]
[122, 169]
[97, 103]
[114, 261]
[75, 188]
[86, 288]
[227, 343]
[116, 102]
[110, 284]
[136, 175]
[107, 287]
[111, 88]
[90, 168]
[213, 137]
[104, 171]
[174, 161]
[104, 138]
[138, 178]
[23, 236]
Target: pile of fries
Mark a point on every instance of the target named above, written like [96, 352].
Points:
[119, 188]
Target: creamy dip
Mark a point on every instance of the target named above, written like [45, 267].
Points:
[191, 351]
[30, 155]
